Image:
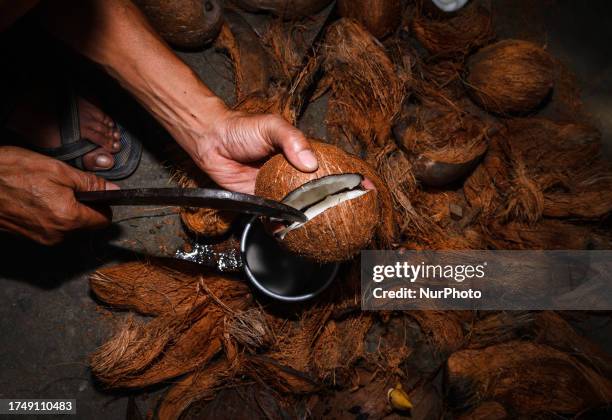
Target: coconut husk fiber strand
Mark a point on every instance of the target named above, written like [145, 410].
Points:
[529, 378]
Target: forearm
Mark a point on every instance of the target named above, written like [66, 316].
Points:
[115, 34]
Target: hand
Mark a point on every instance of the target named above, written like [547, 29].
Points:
[37, 196]
[232, 154]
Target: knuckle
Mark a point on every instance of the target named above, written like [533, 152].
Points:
[65, 216]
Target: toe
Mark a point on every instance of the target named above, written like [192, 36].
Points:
[98, 160]
[98, 127]
[99, 135]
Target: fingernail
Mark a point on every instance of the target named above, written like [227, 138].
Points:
[116, 145]
[367, 184]
[103, 161]
[308, 159]
[116, 135]
[110, 124]
[110, 186]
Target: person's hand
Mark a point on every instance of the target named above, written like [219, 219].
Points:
[232, 153]
[37, 196]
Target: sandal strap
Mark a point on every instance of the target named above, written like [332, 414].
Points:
[73, 146]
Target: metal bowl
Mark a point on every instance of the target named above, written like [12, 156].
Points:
[278, 273]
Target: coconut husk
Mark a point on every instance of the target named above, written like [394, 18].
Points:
[295, 340]
[197, 386]
[457, 36]
[489, 410]
[286, 9]
[558, 172]
[554, 331]
[546, 234]
[153, 287]
[395, 170]
[548, 147]
[500, 327]
[379, 17]
[369, 401]
[143, 354]
[184, 23]
[269, 372]
[261, 403]
[510, 77]
[443, 329]
[526, 377]
[442, 219]
[367, 92]
[252, 65]
[339, 346]
[285, 43]
[443, 146]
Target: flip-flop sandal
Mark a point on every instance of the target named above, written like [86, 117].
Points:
[73, 147]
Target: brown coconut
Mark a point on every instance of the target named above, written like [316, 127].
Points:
[341, 231]
[468, 29]
[288, 9]
[529, 378]
[510, 77]
[184, 23]
[380, 17]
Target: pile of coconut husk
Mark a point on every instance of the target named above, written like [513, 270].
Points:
[480, 142]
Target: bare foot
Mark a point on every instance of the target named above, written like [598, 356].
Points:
[35, 119]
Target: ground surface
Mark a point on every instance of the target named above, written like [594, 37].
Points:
[49, 322]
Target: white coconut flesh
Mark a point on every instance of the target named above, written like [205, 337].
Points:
[318, 196]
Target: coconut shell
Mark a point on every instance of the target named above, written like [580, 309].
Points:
[380, 17]
[340, 232]
[510, 77]
[184, 23]
[288, 9]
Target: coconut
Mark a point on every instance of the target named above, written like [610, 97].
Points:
[510, 77]
[470, 28]
[288, 9]
[527, 377]
[184, 23]
[380, 17]
[342, 206]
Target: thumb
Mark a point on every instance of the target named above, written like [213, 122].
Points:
[293, 143]
[91, 217]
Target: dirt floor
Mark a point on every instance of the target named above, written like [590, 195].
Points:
[49, 322]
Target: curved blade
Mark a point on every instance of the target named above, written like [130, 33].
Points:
[194, 197]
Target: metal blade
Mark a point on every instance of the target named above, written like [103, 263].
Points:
[194, 197]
